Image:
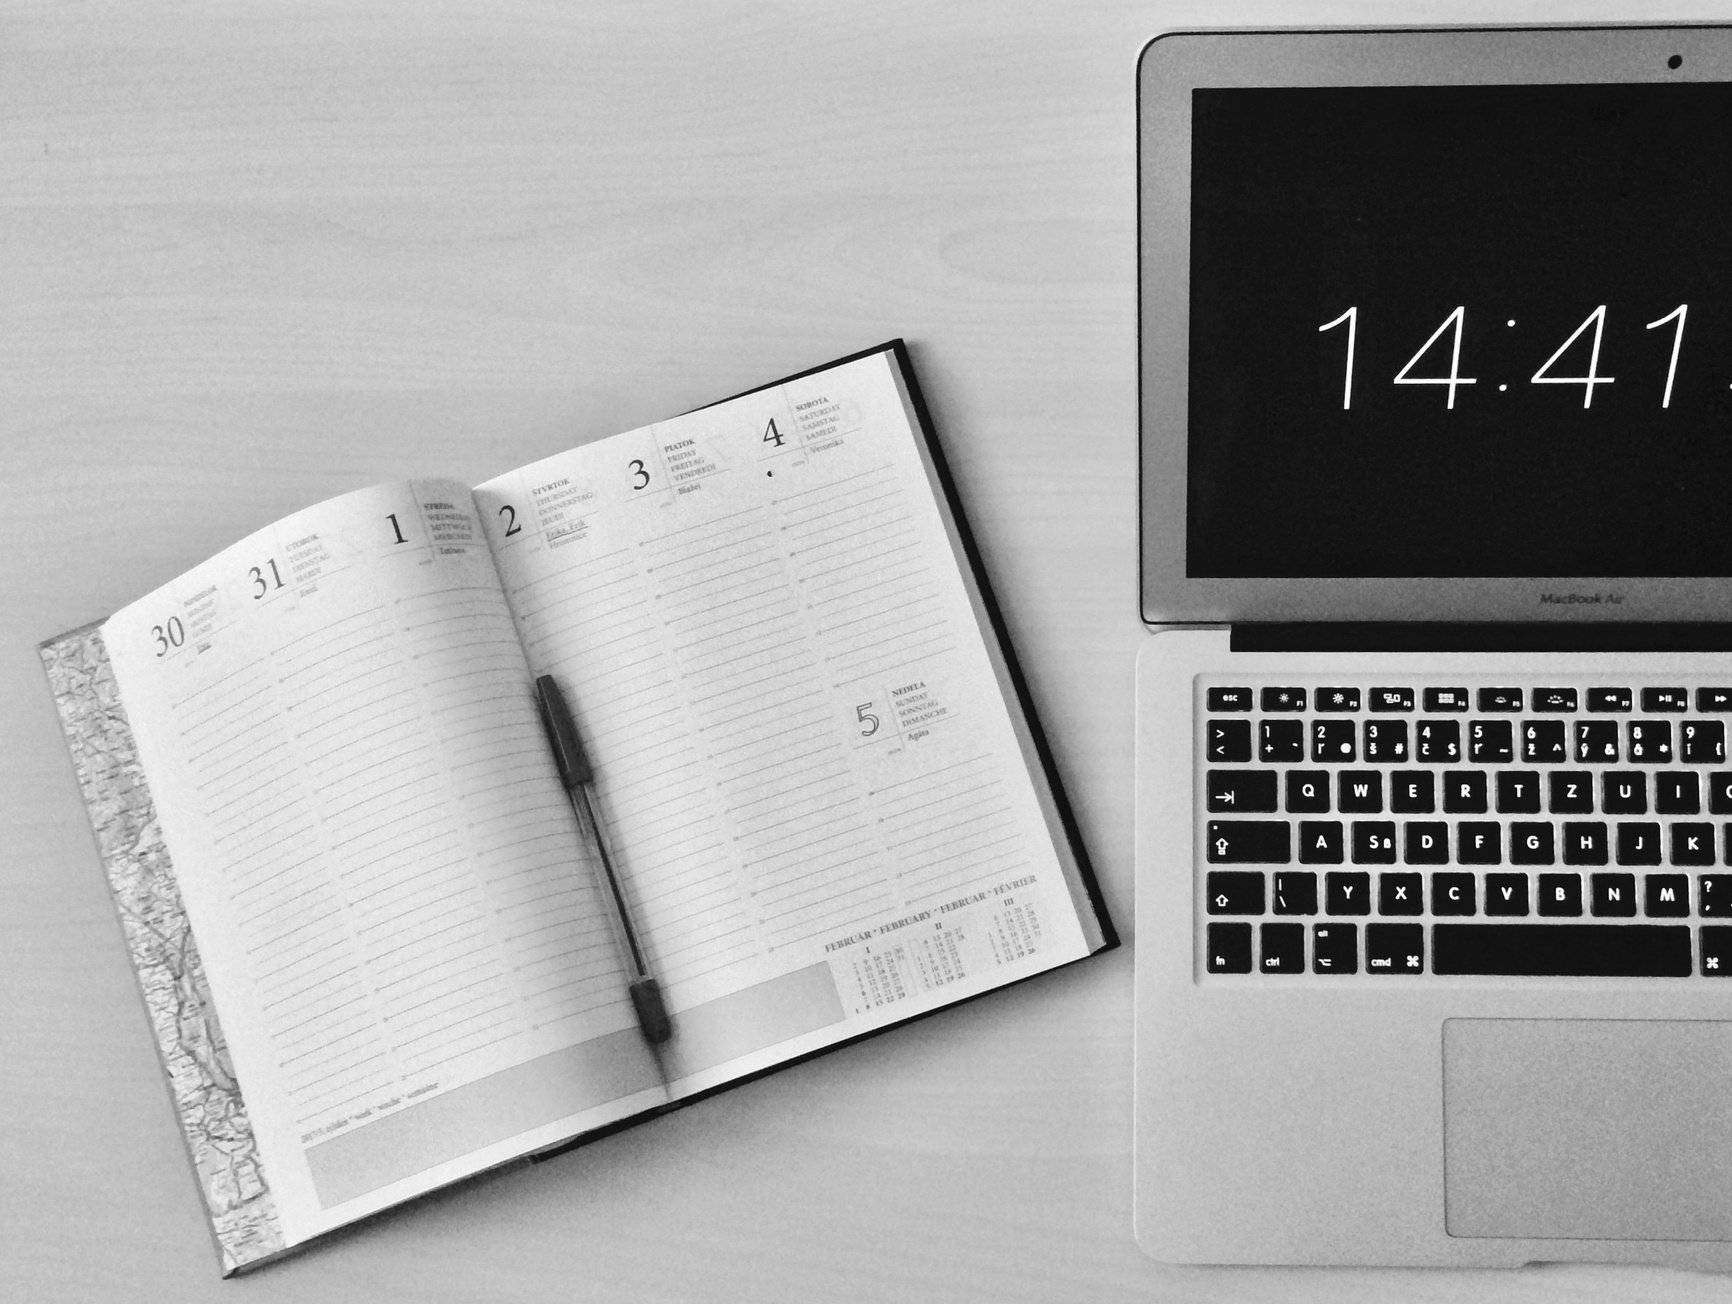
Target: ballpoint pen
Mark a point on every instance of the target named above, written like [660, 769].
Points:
[578, 778]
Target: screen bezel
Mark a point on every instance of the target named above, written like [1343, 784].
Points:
[1170, 68]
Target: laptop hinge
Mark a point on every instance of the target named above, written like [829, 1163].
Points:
[1489, 636]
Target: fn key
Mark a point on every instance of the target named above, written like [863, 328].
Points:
[1229, 947]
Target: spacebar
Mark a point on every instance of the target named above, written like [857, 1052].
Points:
[1563, 950]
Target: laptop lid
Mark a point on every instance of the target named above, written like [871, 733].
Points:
[1436, 325]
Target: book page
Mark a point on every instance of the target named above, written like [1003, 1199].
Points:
[823, 812]
[403, 939]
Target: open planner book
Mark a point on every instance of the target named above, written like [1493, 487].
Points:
[318, 755]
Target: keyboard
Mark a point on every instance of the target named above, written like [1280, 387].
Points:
[1537, 829]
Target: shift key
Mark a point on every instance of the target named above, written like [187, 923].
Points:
[1249, 842]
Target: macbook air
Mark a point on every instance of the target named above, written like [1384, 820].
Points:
[1434, 808]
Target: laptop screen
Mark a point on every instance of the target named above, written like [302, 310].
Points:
[1460, 331]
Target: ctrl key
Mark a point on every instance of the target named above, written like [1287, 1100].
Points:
[1229, 948]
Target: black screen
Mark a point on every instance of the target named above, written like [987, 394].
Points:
[1535, 283]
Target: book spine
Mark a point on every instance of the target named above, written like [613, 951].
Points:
[171, 978]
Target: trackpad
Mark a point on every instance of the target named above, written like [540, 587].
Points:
[1602, 1128]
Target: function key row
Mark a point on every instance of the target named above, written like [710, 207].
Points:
[1229, 740]
[1488, 700]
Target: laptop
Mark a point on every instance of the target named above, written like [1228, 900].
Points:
[1434, 806]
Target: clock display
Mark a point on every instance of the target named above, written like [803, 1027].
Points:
[1461, 331]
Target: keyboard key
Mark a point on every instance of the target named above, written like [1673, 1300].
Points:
[1283, 948]
[1438, 741]
[1720, 793]
[1500, 699]
[1597, 742]
[1638, 844]
[1543, 742]
[1392, 699]
[1235, 892]
[1295, 893]
[1478, 843]
[1281, 741]
[1321, 842]
[1445, 699]
[1716, 951]
[1464, 792]
[1560, 894]
[1248, 842]
[1452, 894]
[1227, 740]
[1518, 792]
[1610, 699]
[1308, 790]
[1240, 790]
[1650, 741]
[1337, 699]
[1665, 699]
[1395, 948]
[1386, 741]
[1530, 844]
[1359, 791]
[1585, 844]
[1624, 792]
[1704, 742]
[1335, 948]
[1489, 742]
[1229, 948]
[1506, 894]
[1614, 894]
[1714, 699]
[1692, 844]
[1562, 950]
[1676, 792]
[1667, 894]
[1425, 843]
[1229, 699]
[1348, 892]
[1714, 896]
[1400, 894]
[1572, 792]
[1373, 842]
[1282, 699]
[1554, 699]
[1333, 740]
[1412, 792]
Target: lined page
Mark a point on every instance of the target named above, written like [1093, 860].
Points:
[812, 781]
[383, 874]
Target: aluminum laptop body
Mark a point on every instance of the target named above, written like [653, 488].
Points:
[1436, 404]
